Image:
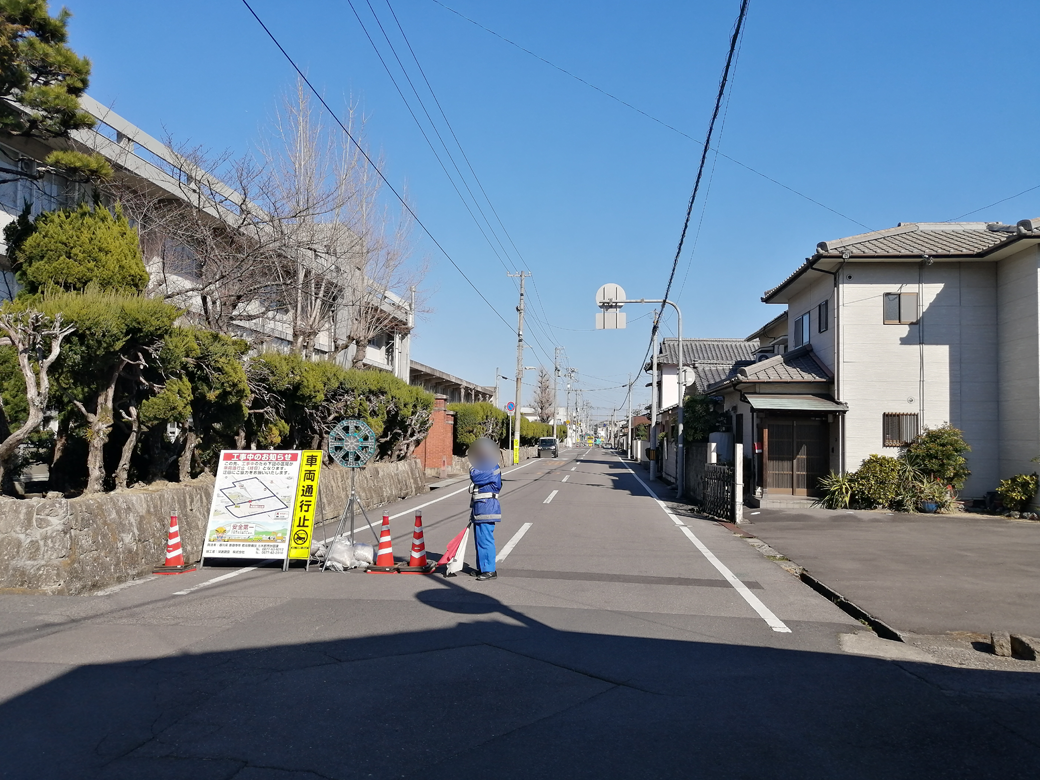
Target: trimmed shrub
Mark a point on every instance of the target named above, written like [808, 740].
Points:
[876, 483]
[1018, 492]
[76, 248]
[938, 454]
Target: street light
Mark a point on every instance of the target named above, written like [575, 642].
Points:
[610, 298]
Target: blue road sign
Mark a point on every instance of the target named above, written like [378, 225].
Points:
[510, 406]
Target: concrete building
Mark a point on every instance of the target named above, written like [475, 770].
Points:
[153, 167]
[892, 332]
[453, 388]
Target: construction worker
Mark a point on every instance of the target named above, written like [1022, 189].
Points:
[485, 511]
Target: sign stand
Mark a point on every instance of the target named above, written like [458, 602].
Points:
[352, 443]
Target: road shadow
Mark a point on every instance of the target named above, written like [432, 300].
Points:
[491, 690]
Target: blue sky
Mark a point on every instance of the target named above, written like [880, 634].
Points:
[885, 112]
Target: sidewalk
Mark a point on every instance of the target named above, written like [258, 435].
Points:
[926, 574]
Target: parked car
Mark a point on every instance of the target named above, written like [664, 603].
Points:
[548, 447]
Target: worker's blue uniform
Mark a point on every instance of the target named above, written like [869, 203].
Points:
[485, 510]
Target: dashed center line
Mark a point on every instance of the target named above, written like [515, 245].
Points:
[551, 497]
[565, 478]
[513, 542]
[574, 468]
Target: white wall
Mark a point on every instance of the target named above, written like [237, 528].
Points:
[820, 288]
[1019, 385]
[950, 377]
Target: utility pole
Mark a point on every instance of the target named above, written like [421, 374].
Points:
[653, 402]
[629, 421]
[556, 376]
[519, 366]
[496, 386]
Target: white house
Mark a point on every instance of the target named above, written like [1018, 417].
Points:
[888, 333]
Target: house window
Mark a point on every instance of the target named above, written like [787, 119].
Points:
[822, 317]
[899, 429]
[900, 308]
[801, 330]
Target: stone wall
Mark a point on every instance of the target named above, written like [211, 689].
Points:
[79, 545]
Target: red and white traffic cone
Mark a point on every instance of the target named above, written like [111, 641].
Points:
[417, 563]
[385, 555]
[174, 555]
[418, 544]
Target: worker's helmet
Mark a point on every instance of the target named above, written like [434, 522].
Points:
[482, 450]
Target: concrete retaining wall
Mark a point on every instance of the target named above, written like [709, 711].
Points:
[79, 545]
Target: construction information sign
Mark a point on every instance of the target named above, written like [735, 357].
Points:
[253, 501]
[304, 508]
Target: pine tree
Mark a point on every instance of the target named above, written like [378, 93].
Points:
[74, 249]
[41, 80]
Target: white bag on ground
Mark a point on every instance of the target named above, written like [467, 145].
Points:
[342, 553]
[364, 554]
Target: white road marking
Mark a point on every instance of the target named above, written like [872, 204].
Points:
[360, 523]
[513, 542]
[228, 576]
[574, 468]
[551, 497]
[755, 603]
[125, 585]
[565, 478]
[454, 493]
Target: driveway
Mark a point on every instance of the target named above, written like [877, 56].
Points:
[926, 574]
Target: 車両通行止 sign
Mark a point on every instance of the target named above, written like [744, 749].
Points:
[305, 506]
[253, 503]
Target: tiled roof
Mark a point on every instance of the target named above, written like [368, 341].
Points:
[920, 238]
[798, 365]
[697, 351]
[916, 239]
[708, 375]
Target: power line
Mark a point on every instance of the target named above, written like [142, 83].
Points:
[443, 143]
[991, 205]
[473, 171]
[371, 163]
[649, 116]
[734, 38]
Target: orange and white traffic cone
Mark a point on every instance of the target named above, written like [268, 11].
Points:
[385, 554]
[417, 563]
[418, 544]
[174, 555]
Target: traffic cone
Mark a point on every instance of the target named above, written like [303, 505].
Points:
[385, 554]
[417, 564]
[418, 544]
[174, 555]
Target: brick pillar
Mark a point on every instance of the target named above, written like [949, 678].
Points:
[435, 452]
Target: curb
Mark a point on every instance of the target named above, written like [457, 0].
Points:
[878, 626]
[881, 628]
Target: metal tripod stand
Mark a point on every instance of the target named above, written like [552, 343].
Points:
[347, 516]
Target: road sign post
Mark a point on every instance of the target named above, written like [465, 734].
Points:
[610, 298]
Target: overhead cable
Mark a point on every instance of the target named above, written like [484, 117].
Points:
[372, 163]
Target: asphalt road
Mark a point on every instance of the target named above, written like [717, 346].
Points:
[924, 574]
[619, 641]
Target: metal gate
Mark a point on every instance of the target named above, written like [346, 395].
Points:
[718, 491]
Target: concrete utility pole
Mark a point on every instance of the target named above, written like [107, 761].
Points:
[519, 366]
[653, 402]
[629, 415]
[556, 375]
